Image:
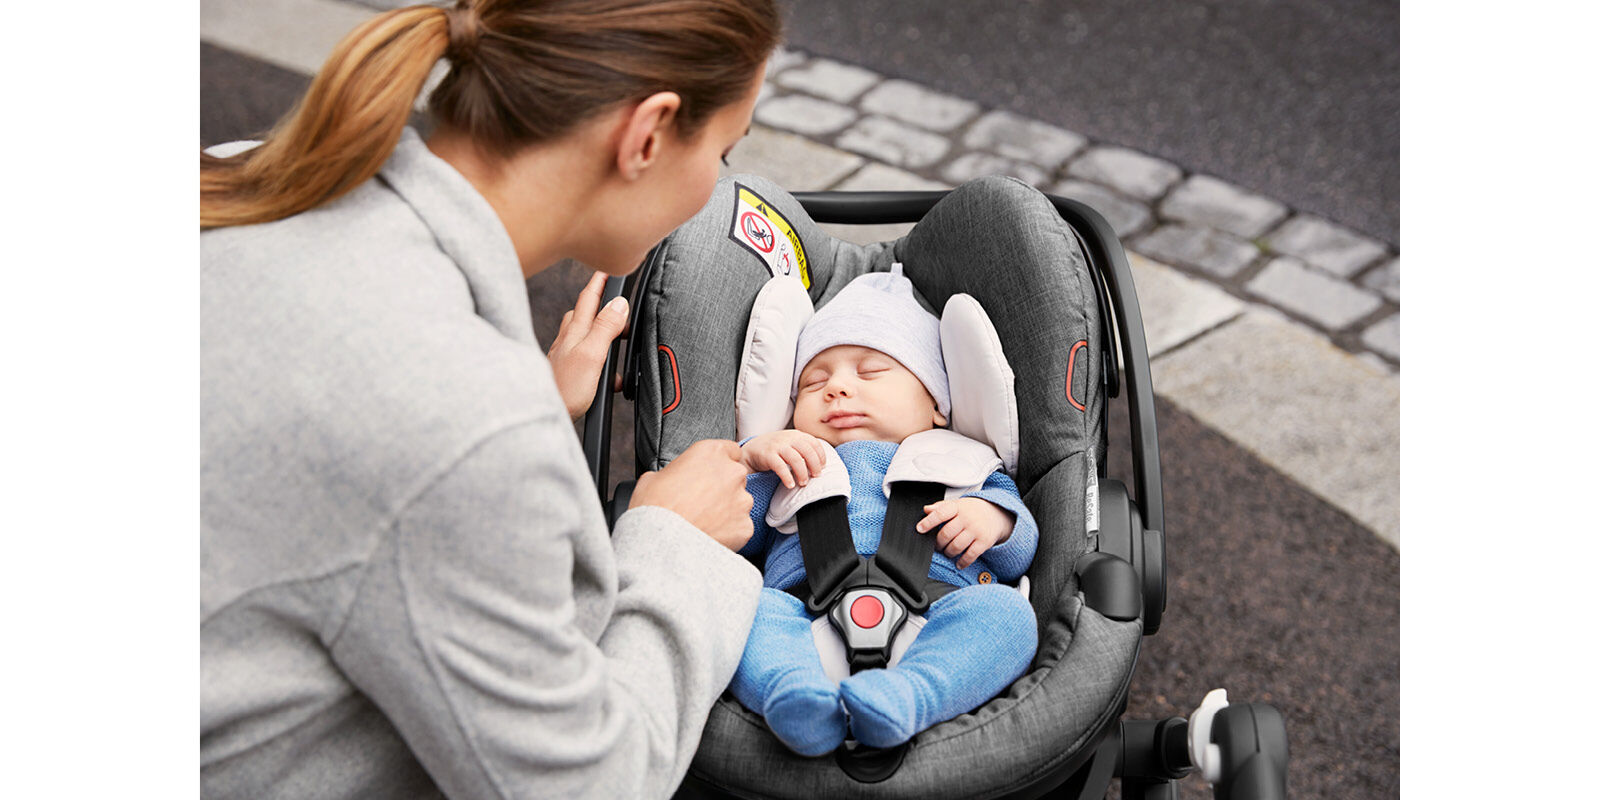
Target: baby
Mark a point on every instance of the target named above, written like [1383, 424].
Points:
[871, 374]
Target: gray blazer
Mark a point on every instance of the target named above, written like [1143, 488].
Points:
[407, 586]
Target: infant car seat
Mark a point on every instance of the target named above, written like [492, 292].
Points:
[1056, 286]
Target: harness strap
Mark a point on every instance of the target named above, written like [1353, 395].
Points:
[826, 548]
[902, 561]
[904, 555]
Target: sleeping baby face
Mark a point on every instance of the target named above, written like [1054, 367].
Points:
[849, 393]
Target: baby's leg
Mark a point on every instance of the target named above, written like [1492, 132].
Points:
[781, 677]
[977, 641]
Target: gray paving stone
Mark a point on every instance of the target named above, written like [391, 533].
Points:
[1206, 249]
[1024, 139]
[875, 177]
[866, 234]
[783, 59]
[802, 114]
[793, 162]
[893, 143]
[918, 105]
[1385, 279]
[1325, 245]
[1384, 337]
[1332, 303]
[1377, 361]
[1132, 173]
[1127, 217]
[1327, 419]
[977, 165]
[1176, 307]
[822, 77]
[1204, 200]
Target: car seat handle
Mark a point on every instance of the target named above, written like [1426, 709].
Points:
[597, 420]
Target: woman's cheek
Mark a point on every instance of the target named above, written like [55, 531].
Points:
[703, 184]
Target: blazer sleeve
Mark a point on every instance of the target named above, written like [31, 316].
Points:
[488, 631]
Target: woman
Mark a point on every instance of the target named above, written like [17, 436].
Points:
[407, 585]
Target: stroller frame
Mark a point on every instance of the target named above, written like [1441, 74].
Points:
[1124, 579]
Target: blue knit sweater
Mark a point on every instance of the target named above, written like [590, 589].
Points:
[867, 462]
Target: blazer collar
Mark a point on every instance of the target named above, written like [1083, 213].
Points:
[467, 230]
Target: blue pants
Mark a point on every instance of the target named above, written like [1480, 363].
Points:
[978, 639]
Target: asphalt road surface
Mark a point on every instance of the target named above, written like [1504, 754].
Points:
[1298, 100]
[1273, 594]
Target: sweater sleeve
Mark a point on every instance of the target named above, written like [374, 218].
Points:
[760, 485]
[1011, 558]
[487, 629]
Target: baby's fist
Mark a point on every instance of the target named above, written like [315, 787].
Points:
[790, 454]
[972, 525]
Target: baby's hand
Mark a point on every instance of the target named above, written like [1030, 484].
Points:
[790, 454]
[971, 526]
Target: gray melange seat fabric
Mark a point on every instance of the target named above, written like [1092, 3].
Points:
[1000, 241]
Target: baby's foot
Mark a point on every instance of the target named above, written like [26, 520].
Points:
[882, 705]
[807, 717]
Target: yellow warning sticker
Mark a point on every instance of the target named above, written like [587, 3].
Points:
[764, 230]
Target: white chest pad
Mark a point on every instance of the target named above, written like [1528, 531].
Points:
[934, 456]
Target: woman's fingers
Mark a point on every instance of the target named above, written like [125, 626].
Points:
[588, 305]
[604, 328]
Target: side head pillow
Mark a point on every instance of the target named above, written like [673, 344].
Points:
[762, 403]
[983, 393]
[983, 400]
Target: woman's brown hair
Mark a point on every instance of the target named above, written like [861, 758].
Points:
[522, 72]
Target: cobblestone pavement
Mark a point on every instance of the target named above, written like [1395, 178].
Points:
[1339, 282]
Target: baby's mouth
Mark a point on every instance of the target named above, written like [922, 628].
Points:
[844, 419]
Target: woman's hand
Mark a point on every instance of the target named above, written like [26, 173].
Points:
[971, 526]
[791, 455]
[704, 485]
[579, 351]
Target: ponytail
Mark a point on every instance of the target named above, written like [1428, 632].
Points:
[340, 133]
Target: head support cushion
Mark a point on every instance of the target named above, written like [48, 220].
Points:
[763, 401]
[983, 397]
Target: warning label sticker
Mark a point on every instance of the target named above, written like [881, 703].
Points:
[763, 230]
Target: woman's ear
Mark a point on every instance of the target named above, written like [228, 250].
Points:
[644, 129]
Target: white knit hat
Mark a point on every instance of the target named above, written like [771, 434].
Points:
[877, 310]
